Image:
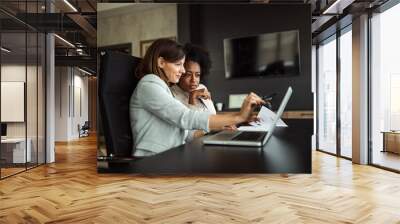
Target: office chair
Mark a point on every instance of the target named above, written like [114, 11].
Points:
[84, 129]
[117, 82]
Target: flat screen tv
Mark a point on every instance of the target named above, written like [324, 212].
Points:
[3, 129]
[264, 55]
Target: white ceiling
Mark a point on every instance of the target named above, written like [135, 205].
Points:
[116, 9]
[109, 6]
[103, 7]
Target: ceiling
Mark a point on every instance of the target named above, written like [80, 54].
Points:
[107, 6]
[76, 22]
[73, 20]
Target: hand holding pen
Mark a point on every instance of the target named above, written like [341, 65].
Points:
[268, 100]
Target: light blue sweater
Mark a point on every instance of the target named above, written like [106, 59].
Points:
[159, 121]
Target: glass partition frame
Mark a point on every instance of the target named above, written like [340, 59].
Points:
[30, 57]
[335, 148]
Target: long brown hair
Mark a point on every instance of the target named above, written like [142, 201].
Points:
[169, 49]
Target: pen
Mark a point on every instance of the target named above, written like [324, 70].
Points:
[268, 100]
[269, 97]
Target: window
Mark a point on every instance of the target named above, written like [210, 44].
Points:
[346, 93]
[334, 106]
[385, 85]
[327, 96]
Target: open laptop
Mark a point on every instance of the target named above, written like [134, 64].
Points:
[248, 138]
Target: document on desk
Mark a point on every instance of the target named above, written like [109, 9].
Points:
[266, 117]
[210, 106]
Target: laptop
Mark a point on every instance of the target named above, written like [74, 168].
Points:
[248, 138]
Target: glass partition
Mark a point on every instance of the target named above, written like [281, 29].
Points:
[31, 98]
[327, 96]
[41, 96]
[22, 77]
[346, 93]
[14, 153]
[385, 89]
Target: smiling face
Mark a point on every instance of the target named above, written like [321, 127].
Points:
[172, 70]
[191, 79]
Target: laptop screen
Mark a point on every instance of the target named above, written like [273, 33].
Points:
[280, 110]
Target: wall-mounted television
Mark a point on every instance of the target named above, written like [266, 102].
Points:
[264, 55]
[3, 129]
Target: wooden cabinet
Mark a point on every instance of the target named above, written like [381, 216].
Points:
[391, 141]
[13, 150]
[298, 114]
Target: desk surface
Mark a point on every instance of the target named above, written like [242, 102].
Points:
[287, 151]
[13, 140]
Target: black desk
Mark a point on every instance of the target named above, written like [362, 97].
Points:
[287, 151]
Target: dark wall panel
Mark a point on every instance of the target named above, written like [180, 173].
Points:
[208, 25]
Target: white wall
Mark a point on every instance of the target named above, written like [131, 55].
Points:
[17, 73]
[33, 126]
[12, 101]
[61, 103]
[136, 23]
[71, 92]
[14, 73]
[80, 100]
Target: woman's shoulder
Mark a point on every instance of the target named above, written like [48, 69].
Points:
[176, 90]
[151, 79]
[151, 85]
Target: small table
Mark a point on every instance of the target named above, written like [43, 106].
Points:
[391, 141]
[13, 150]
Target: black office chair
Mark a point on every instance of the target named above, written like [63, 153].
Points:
[84, 129]
[117, 82]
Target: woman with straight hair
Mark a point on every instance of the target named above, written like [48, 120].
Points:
[158, 120]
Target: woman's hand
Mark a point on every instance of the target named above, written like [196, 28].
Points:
[230, 128]
[198, 93]
[248, 105]
[220, 121]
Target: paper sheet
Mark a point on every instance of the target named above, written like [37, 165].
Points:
[210, 106]
[266, 117]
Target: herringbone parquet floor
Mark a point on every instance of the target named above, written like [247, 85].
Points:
[71, 191]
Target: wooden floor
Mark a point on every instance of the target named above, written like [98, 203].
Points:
[387, 159]
[71, 191]
[5, 172]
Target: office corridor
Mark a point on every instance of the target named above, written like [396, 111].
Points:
[71, 191]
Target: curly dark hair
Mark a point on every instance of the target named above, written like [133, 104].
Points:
[198, 54]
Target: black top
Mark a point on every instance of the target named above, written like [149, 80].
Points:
[287, 151]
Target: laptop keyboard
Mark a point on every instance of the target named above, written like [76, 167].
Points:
[250, 136]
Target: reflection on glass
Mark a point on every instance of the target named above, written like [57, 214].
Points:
[14, 147]
[23, 90]
[41, 99]
[31, 100]
[345, 94]
[327, 97]
[385, 86]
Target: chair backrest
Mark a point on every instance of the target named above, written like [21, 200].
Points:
[86, 125]
[117, 82]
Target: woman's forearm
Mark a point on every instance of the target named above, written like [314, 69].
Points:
[219, 121]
